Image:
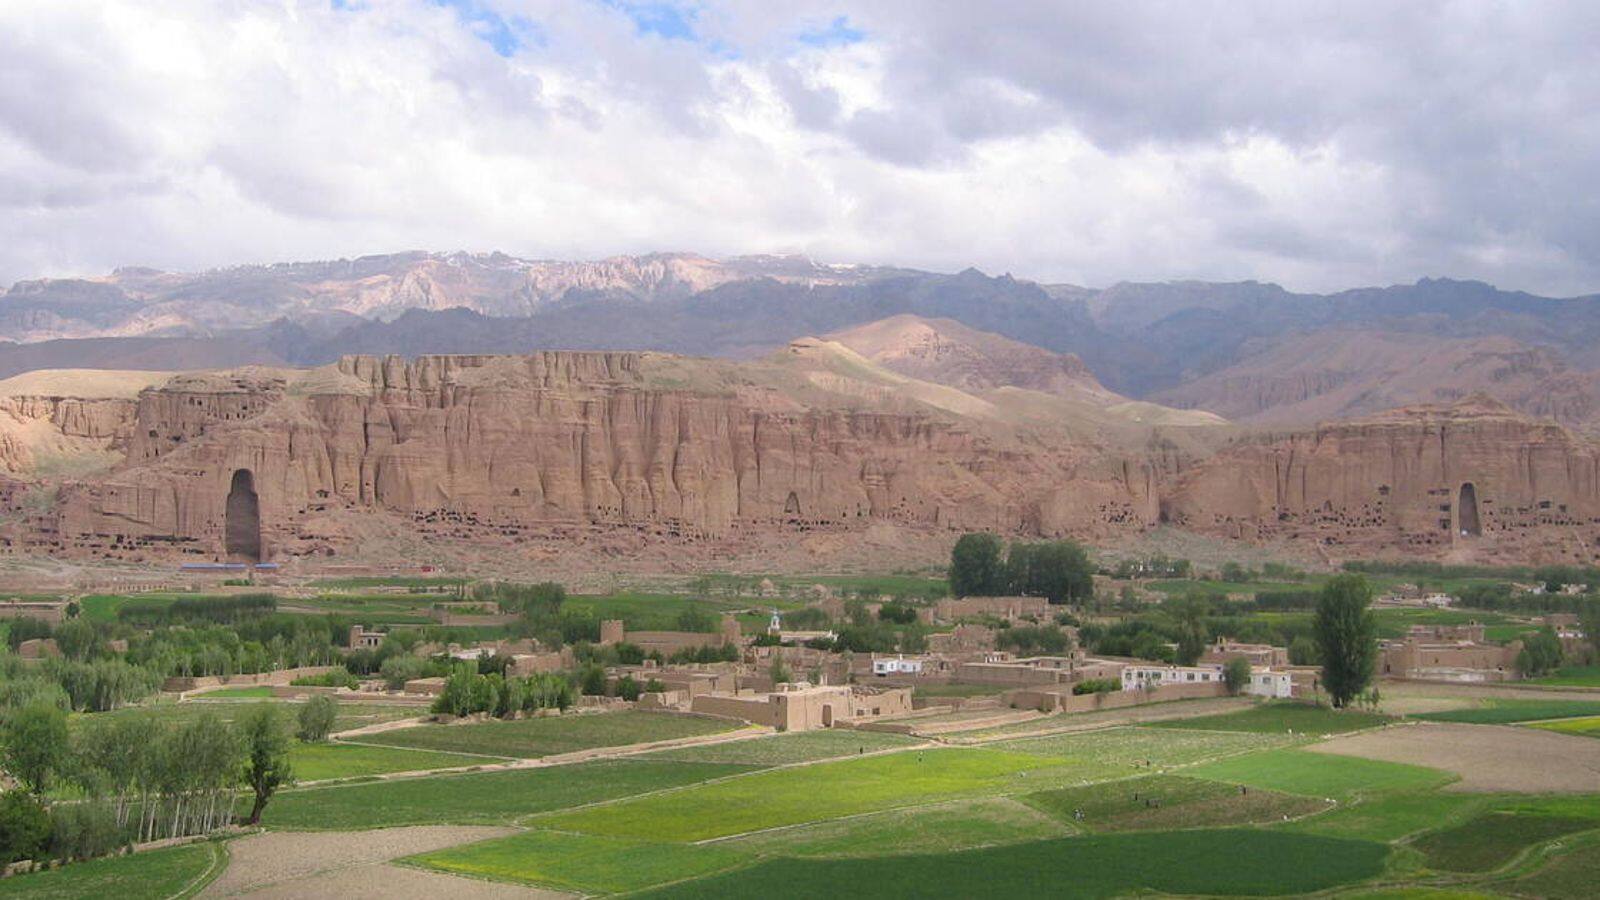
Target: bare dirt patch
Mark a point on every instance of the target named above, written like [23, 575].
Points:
[382, 881]
[1488, 758]
[352, 864]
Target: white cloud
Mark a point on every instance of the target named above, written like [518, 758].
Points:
[1317, 145]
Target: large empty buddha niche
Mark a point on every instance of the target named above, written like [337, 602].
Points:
[242, 535]
[791, 506]
[1467, 509]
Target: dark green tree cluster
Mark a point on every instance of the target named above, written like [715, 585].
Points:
[1058, 570]
[1541, 654]
[466, 692]
[1033, 640]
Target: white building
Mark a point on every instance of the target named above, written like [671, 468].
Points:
[1264, 680]
[897, 666]
[1140, 676]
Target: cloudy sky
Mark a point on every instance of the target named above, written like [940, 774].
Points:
[1319, 145]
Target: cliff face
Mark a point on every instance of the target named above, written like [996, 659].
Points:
[1423, 480]
[500, 446]
[40, 433]
[502, 451]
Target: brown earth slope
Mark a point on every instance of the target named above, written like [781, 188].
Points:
[1334, 374]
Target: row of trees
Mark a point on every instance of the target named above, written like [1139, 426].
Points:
[141, 778]
[1058, 570]
[467, 691]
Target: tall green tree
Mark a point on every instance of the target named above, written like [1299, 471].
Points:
[35, 744]
[266, 746]
[1190, 613]
[1347, 637]
[1236, 674]
[976, 569]
[1589, 622]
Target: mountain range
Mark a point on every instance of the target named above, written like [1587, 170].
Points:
[1247, 351]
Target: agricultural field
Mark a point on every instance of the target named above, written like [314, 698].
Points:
[935, 828]
[787, 749]
[548, 736]
[1226, 802]
[152, 875]
[1572, 676]
[1139, 749]
[793, 796]
[1320, 775]
[351, 715]
[1501, 711]
[1587, 726]
[1569, 876]
[1164, 802]
[1490, 841]
[581, 862]
[1283, 718]
[483, 798]
[1191, 862]
[329, 760]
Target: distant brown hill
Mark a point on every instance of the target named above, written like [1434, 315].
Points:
[1337, 374]
[948, 352]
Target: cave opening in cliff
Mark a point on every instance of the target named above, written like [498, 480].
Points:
[242, 533]
[1467, 509]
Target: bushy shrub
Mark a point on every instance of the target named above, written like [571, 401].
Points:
[397, 670]
[24, 827]
[85, 830]
[1096, 686]
[315, 719]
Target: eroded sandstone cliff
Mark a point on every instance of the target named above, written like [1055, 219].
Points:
[495, 447]
[1470, 475]
[552, 447]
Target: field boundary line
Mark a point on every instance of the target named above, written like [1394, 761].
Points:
[219, 861]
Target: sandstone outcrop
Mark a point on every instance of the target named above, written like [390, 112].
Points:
[1469, 475]
[496, 447]
[502, 451]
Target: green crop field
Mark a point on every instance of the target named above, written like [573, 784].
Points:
[936, 828]
[580, 862]
[1162, 802]
[1571, 876]
[151, 875]
[821, 791]
[1572, 676]
[481, 798]
[1124, 750]
[351, 715]
[652, 612]
[1319, 774]
[254, 692]
[1189, 862]
[782, 749]
[1588, 726]
[1390, 817]
[1492, 840]
[316, 762]
[546, 736]
[1280, 718]
[1508, 712]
